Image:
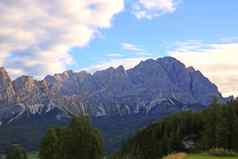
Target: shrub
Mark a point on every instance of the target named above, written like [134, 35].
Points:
[221, 152]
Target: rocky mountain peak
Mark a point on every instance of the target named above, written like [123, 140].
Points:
[83, 74]
[171, 64]
[24, 83]
[68, 73]
[3, 72]
[152, 85]
[169, 59]
[147, 62]
[7, 92]
[120, 68]
[191, 69]
[4, 77]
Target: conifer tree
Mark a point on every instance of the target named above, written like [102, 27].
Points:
[16, 152]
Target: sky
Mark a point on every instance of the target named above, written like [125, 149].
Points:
[40, 37]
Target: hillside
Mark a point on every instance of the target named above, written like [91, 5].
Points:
[216, 126]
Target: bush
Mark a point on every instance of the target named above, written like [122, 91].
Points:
[221, 152]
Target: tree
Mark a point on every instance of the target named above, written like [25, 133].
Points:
[51, 145]
[78, 140]
[83, 140]
[212, 117]
[16, 152]
[215, 126]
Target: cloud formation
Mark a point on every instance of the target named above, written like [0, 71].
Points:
[149, 9]
[36, 36]
[218, 61]
[131, 47]
[115, 55]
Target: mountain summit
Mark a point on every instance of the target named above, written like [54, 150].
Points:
[153, 86]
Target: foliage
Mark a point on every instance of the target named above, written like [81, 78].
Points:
[16, 152]
[78, 140]
[187, 131]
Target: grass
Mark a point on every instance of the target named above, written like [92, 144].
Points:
[172, 156]
[195, 156]
[33, 156]
[204, 156]
[176, 156]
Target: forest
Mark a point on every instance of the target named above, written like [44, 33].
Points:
[214, 127]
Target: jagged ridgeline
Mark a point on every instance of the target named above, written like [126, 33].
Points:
[150, 86]
[214, 127]
[119, 100]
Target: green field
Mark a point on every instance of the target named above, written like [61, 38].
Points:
[192, 156]
[33, 156]
[203, 156]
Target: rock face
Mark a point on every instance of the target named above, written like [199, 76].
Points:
[7, 92]
[153, 86]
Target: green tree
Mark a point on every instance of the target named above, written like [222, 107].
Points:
[78, 140]
[51, 145]
[212, 117]
[16, 152]
[216, 126]
[83, 140]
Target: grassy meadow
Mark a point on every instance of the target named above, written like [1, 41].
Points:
[33, 156]
[195, 156]
[174, 156]
[204, 156]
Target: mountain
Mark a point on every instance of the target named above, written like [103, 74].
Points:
[151, 89]
[152, 86]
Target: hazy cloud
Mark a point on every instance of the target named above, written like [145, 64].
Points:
[218, 61]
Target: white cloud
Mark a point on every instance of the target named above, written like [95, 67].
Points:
[36, 36]
[136, 50]
[218, 61]
[114, 55]
[150, 9]
[131, 47]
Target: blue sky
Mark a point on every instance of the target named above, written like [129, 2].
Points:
[207, 21]
[43, 37]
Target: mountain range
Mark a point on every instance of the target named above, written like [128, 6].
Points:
[153, 88]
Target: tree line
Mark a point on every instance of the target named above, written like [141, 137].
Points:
[214, 127]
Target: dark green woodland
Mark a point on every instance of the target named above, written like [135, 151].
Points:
[214, 127]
